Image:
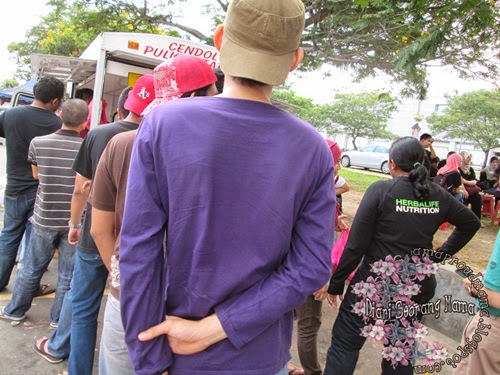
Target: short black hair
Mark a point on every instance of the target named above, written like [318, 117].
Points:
[425, 136]
[248, 82]
[48, 89]
[199, 92]
[493, 158]
[220, 79]
[435, 160]
[84, 94]
[122, 99]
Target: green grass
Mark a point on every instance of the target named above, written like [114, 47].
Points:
[359, 181]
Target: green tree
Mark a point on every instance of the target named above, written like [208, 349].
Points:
[72, 25]
[301, 107]
[9, 83]
[362, 115]
[398, 38]
[473, 116]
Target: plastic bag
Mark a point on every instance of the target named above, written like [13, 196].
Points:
[338, 249]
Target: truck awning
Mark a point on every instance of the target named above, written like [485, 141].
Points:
[66, 69]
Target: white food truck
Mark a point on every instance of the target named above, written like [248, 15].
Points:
[113, 61]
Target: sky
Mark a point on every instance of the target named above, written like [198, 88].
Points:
[18, 20]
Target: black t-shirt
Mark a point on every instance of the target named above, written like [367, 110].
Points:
[453, 181]
[470, 175]
[390, 221]
[86, 163]
[19, 125]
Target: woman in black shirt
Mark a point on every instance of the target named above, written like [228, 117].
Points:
[396, 218]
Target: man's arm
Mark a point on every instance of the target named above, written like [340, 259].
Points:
[78, 203]
[342, 189]
[34, 171]
[431, 149]
[103, 233]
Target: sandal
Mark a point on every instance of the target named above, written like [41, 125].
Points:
[44, 290]
[40, 347]
[292, 370]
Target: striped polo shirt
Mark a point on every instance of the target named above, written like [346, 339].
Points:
[54, 154]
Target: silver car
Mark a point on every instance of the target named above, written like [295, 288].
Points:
[373, 157]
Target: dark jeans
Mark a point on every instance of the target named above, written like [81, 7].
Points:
[18, 210]
[347, 341]
[475, 202]
[308, 325]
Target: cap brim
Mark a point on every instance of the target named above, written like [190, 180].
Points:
[237, 61]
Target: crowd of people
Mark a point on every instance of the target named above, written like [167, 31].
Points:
[211, 215]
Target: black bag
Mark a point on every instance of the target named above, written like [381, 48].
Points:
[440, 179]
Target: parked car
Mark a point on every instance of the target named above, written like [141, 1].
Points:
[372, 157]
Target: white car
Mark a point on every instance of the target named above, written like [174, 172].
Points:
[369, 157]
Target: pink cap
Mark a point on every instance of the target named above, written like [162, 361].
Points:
[178, 75]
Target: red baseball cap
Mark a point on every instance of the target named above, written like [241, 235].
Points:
[141, 95]
[335, 150]
[178, 75]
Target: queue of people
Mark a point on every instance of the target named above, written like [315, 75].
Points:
[212, 218]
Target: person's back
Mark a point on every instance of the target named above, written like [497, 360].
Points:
[235, 186]
[19, 126]
[243, 194]
[395, 221]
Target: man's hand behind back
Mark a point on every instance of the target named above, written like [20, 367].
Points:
[187, 336]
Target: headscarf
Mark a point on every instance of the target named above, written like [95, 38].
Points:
[453, 163]
[335, 150]
[464, 166]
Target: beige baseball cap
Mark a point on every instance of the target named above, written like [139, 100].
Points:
[260, 39]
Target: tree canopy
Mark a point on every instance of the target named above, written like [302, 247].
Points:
[301, 107]
[398, 38]
[363, 115]
[473, 116]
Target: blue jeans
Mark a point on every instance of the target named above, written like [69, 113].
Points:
[39, 253]
[113, 356]
[59, 341]
[18, 210]
[89, 281]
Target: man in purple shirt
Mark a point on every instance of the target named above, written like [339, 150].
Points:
[229, 213]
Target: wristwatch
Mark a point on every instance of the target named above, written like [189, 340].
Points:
[74, 226]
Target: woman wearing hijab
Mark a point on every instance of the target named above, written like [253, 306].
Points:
[451, 170]
[396, 219]
[469, 181]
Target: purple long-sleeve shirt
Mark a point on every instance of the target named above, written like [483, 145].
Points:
[243, 194]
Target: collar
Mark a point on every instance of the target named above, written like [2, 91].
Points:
[71, 133]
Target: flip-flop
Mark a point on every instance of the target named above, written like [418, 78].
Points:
[44, 290]
[40, 350]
